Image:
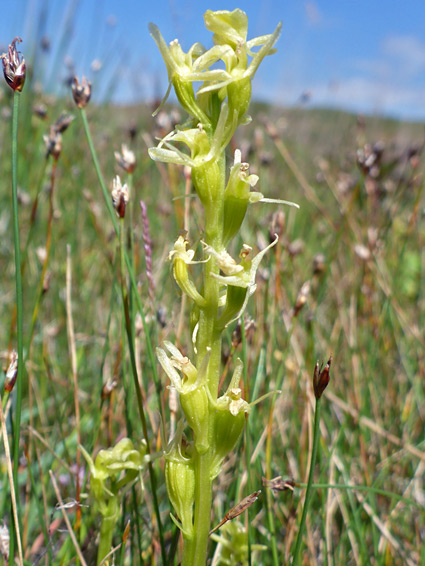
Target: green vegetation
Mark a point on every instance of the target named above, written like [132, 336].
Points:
[357, 239]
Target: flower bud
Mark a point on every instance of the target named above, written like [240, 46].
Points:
[195, 406]
[237, 197]
[81, 92]
[180, 481]
[181, 258]
[239, 96]
[14, 67]
[205, 179]
[235, 300]
[228, 429]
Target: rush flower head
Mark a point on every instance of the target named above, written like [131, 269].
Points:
[12, 372]
[81, 92]
[53, 143]
[120, 196]
[321, 377]
[63, 122]
[126, 159]
[14, 67]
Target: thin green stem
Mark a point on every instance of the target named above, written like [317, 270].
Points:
[19, 311]
[105, 538]
[316, 437]
[107, 198]
[137, 387]
[269, 502]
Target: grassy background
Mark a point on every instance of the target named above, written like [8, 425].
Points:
[365, 221]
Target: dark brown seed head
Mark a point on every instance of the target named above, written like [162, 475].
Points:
[321, 378]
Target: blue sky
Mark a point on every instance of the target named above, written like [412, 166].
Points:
[361, 55]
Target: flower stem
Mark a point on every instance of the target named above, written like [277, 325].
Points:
[19, 311]
[195, 549]
[316, 437]
[105, 538]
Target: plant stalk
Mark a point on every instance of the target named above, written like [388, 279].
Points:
[208, 339]
[316, 438]
[19, 310]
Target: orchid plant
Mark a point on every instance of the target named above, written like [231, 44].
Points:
[215, 111]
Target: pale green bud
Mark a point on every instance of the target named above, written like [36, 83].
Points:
[228, 430]
[192, 390]
[180, 481]
[229, 28]
[229, 420]
[195, 405]
[112, 470]
[232, 547]
[206, 180]
[237, 197]
[181, 258]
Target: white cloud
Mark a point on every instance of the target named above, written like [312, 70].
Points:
[314, 17]
[368, 95]
[406, 52]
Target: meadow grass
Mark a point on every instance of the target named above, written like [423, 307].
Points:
[358, 238]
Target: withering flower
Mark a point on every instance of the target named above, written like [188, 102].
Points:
[81, 92]
[14, 67]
